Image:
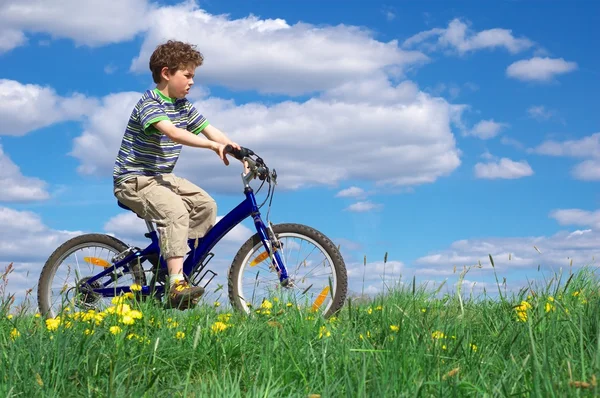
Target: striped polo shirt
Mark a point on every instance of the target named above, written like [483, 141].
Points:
[145, 150]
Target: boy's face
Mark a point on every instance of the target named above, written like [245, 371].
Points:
[180, 82]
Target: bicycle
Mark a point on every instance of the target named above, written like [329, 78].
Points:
[124, 266]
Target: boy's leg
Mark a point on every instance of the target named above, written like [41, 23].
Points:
[155, 199]
[201, 206]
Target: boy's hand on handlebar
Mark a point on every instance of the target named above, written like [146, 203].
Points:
[220, 150]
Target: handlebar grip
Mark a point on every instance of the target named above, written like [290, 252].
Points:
[238, 153]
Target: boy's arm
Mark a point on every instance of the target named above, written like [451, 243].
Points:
[185, 137]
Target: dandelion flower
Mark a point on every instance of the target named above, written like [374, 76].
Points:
[115, 329]
[219, 327]
[438, 335]
[473, 347]
[127, 320]
[217, 304]
[323, 331]
[135, 287]
[267, 305]
[135, 314]
[14, 334]
[394, 328]
[179, 335]
[52, 323]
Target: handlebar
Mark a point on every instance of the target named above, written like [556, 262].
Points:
[239, 154]
[257, 166]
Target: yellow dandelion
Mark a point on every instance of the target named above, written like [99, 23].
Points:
[438, 335]
[575, 294]
[179, 335]
[135, 288]
[219, 327]
[423, 310]
[127, 320]
[369, 311]
[115, 329]
[550, 298]
[549, 307]
[473, 347]
[360, 336]
[522, 316]
[266, 304]
[123, 309]
[289, 304]
[9, 316]
[88, 332]
[217, 304]
[394, 328]
[378, 308]
[14, 334]
[132, 336]
[128, 295]
[52, 323]
[444, 347]
[275, 299]
[135, 314]
[37, 315]
[323, 331]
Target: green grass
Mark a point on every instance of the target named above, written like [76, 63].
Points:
[486, 349]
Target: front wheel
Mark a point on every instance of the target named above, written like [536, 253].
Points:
[316, 271]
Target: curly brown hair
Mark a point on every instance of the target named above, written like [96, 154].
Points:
[174, 55]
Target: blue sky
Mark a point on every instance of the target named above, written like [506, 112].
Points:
[439, 132]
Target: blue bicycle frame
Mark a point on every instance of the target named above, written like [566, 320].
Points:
[198, 251]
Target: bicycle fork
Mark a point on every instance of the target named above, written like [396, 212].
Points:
[273, 248]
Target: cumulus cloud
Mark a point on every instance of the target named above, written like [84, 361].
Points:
[585, 147]
[44, 107]
[20, 231]
[518, 253]
[505, 169]
[539, 69]
[577, 217]
[486, 129]
[365, 206]
[15, 186]
[460, 38]
[540, 113]
[86, 23]
[271, 55]
[352, 192]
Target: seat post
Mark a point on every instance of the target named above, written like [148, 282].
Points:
[150, 226]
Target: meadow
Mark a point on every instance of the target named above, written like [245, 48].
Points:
[411, 341]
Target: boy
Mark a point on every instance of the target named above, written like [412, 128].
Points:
[161, 122]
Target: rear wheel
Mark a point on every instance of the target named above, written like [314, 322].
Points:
[316, 270]
[63, 280]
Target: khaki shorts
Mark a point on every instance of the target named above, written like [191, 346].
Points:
[180, 209]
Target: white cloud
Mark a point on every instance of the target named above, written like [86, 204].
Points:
[20, 231]
[373, 274]
[577, 217]
[11, 38]
[86, 23]
[15, 186]
[517, 253]
[44, 107]
[272, 56]
[459, 37]
[419, 144]
[539, 112]
[487, 129]
[352, 192]
[588, 146]
[361, 207]
[505, 168]
[539, 69]
[585, 147]
[588, 170]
